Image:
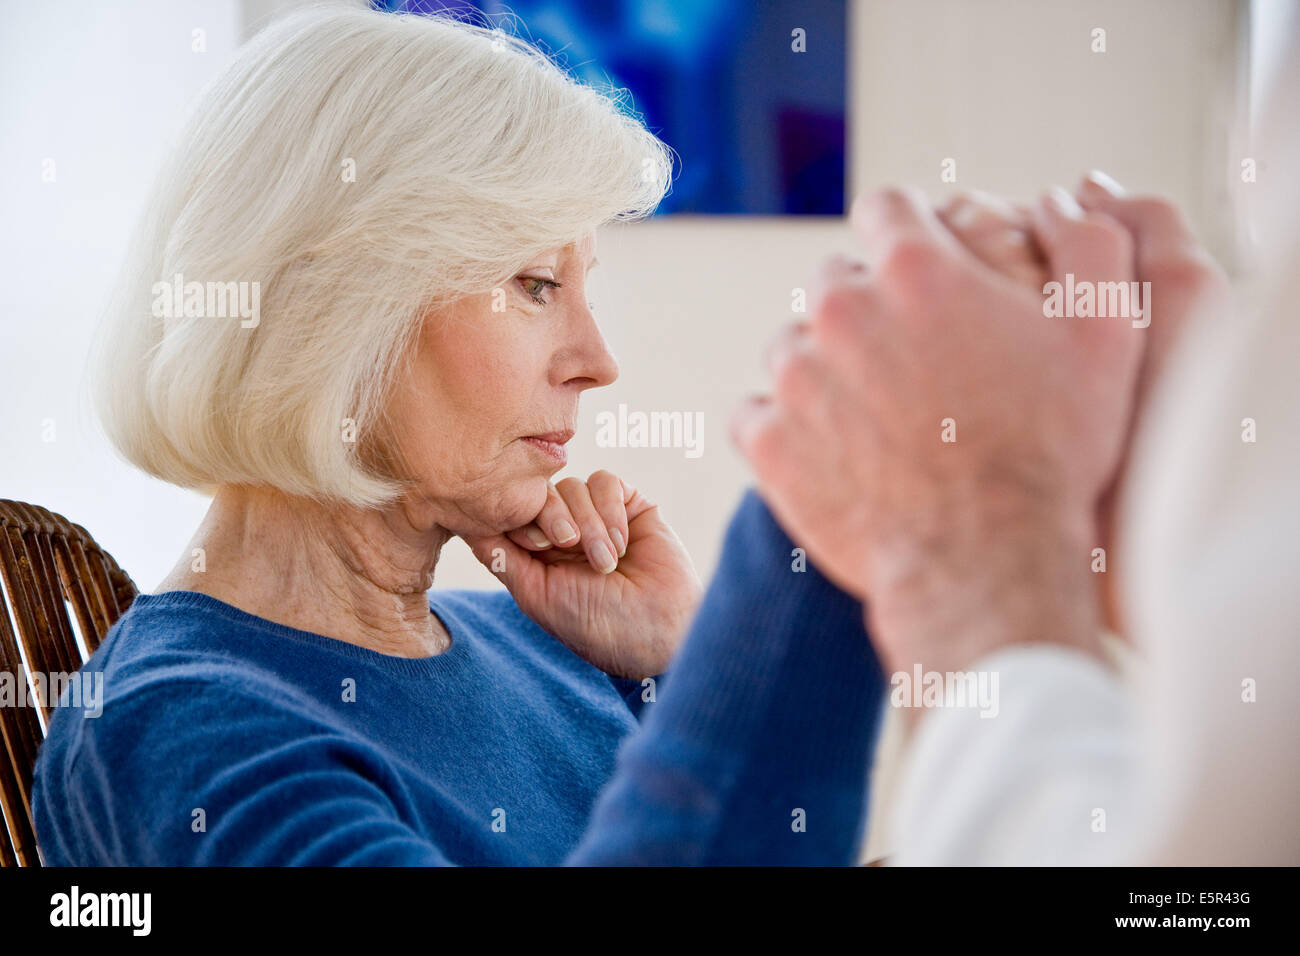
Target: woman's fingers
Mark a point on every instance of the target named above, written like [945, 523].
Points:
[997, 232]
[589, 518]
[1088, 244]
[610, 499]
[594, 534]
[556, 521]
[530, 537]
[975, 211]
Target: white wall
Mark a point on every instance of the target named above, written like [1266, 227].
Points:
[97, 90]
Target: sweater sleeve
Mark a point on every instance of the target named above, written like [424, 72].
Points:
[759, 748]
[757, 752]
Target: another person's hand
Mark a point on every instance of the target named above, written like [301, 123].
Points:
[601, 570]
[933, 433]
[998, 233]
[1185, 279]
[1185, 282]
[1002, 235]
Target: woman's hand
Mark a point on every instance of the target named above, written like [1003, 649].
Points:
[601, 570]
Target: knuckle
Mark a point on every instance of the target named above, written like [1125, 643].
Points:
[971, 212]
[1116, 238]
[880, 205]
[767, 446]
[795, 377]
[840, 323]
[963, 197]
[1191, 275]
[836, 299]
[892, 198]
[909, 261]
[1158, 212]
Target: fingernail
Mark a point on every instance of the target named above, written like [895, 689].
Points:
[617, 537]
[564, 532]
[602, 558]
[538, 539]
[965, 215]
[1102, 181]
[1063, 203]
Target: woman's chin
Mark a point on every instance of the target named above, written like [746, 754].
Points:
[520, 505]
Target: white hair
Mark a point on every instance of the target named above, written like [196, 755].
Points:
[356, 168]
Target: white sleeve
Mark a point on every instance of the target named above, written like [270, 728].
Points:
[1046, 779]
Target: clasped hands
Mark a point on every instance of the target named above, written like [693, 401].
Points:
[944, 449]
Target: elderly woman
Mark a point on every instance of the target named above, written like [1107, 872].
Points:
[404, 209]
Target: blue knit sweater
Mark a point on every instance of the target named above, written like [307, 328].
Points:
[227, 739]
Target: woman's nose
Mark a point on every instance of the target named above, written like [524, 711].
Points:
[592, 365]
[604, 365]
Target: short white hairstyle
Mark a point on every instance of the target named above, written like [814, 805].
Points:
[356, 168]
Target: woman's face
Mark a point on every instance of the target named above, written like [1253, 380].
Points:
[492, 394]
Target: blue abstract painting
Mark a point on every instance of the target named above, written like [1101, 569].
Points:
[749, 93]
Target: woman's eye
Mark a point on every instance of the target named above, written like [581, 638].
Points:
[535, 286]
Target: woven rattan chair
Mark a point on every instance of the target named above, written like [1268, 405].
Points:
[49, 565]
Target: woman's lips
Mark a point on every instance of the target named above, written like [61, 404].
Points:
[551, 444]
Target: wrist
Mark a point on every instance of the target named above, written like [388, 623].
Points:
[1003, 576]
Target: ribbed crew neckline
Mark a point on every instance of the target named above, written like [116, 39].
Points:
[446, 663]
